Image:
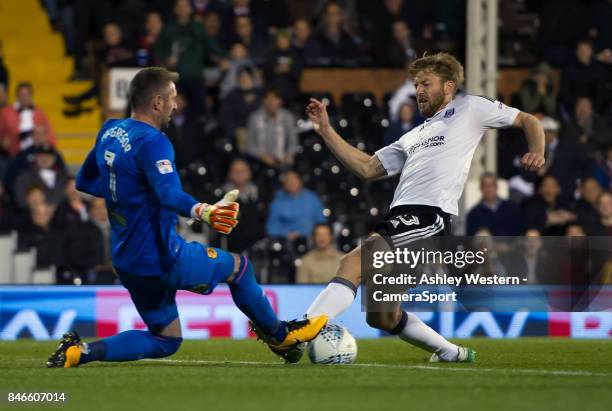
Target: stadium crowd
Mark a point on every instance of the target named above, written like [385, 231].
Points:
[240, 124]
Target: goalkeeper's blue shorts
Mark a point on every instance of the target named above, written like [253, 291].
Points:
[198, 269]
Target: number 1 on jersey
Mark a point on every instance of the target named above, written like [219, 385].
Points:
[109, 157]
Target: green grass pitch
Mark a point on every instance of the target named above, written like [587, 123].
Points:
[524, 374]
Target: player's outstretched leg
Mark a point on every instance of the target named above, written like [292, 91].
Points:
[126, 346]
[413, 330]
[340, 293]
[252, 301]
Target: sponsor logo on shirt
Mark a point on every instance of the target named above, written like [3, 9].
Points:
[428, 142]
[449, 113]
[164, 166]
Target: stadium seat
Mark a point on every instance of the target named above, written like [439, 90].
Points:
[24, 262]
[8, 243]
[44, 275]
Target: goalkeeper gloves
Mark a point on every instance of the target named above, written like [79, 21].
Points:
[221, 216]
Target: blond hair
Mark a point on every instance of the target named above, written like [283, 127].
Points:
[443, 65]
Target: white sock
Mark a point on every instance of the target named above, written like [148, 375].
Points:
[416, 332]
[332, 301]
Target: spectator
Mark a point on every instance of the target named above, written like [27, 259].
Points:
[186, 132]
[25, 158]
[245, 35]
[20, 119]
[399, 50]
[566, 161]
[350, 21]
[283, 68]
[152, 30]
[403, 94]
[404, 124]
[586, 205]
[35, 196]
[294, 210]
[212, 24]
[587, 129]
[574, 265]
[303, 44]
[530, 260]
[562, 22]
[238, 105]
[99, 217]
[319, 264]
[272, 133]
[252, 208]
[7, 221]
[582, 78]
[603, 171]
[83, 241]
[239, 9]
[184, 46]
[116, 52]
[45, 174]
[72, 209]
[547, 212]
[500, 217]
[604, 207]
[337, 47]
[36, 232]
[538, 92]
[239, 60]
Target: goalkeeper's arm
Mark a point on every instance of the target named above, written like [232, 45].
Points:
[159, 167]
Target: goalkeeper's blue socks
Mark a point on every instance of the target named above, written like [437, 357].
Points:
[251, 300]
[128, 346]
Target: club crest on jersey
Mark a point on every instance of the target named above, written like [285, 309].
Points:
[164, 166]
[449, 113]
[212, 253]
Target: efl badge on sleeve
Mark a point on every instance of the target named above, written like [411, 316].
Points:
[212, 253]
[164, 166]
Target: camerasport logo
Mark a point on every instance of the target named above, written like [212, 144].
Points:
[202, 317]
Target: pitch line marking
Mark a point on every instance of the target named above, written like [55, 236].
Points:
[405, 366]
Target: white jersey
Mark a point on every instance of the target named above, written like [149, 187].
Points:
[434, 158]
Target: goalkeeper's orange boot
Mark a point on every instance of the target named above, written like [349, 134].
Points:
[299, 332]
[68, 352]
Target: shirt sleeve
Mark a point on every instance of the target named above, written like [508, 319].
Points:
[392, 157]
[158, 164]
[490, 113]
[88, 177]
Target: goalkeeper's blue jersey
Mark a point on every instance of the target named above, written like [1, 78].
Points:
[132, 167]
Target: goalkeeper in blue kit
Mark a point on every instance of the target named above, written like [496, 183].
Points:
[132, 167]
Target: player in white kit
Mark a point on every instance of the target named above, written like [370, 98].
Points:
[433, 161]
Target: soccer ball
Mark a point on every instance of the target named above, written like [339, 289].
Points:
[334, 345]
